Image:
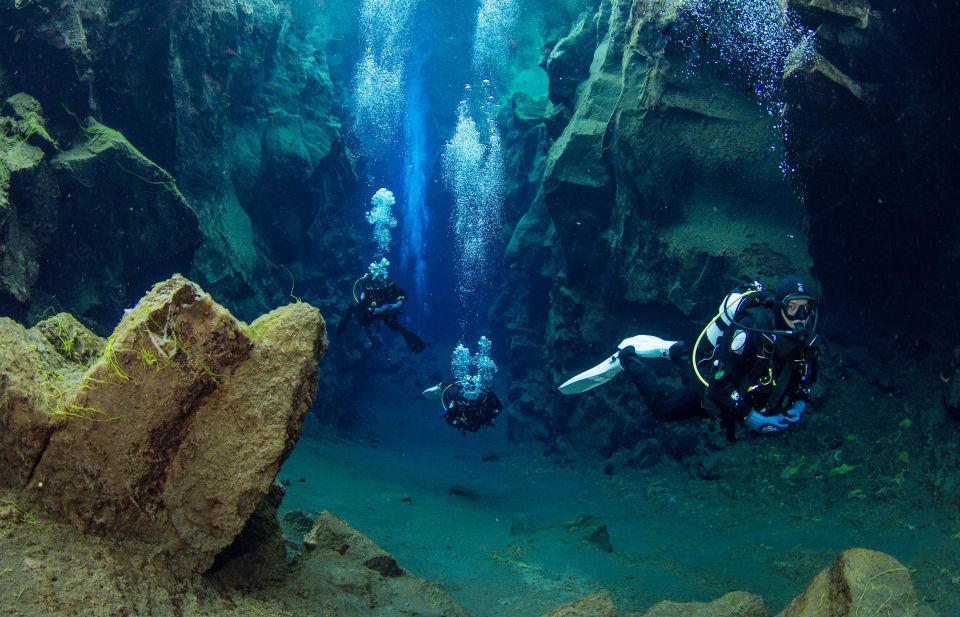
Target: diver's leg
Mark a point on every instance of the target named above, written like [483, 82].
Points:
[680, 355]
[413, 341]
[344, 319]
[665, 406]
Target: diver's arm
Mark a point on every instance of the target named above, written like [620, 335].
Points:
[804, 381]
[398, 295]
[390, 298]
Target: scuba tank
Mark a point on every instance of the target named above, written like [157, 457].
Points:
[737, 300]
[728, 310]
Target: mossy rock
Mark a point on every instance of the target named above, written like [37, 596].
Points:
[71, 339]
[24, 139]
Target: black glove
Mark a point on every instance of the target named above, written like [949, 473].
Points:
[629, 359]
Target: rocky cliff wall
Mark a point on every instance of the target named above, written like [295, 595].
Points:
[669, 178]
[231, 101]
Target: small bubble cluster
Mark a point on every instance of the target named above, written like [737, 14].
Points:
[473, 372]
[382, 219]
[473, 172]
[378, 270]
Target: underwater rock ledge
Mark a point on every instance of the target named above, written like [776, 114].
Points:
[173, 434]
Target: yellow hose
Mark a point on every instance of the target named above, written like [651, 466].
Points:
[723, 309]
[693, 355]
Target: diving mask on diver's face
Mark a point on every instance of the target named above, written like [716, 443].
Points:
[798, 309]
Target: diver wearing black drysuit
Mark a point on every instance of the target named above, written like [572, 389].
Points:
[379, 298]
[761, 371]
[466, 409]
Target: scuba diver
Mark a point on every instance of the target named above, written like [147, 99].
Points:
[466, 406]
[469, 403]
[375, 298]
[760, 371]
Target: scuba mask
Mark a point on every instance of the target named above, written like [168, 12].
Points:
[799, 313]
[806, 318]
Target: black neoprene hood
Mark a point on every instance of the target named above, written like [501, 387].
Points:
[794, 288]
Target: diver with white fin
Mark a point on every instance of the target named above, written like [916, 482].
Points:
[469, 402]
[759, 372]
[643, 345]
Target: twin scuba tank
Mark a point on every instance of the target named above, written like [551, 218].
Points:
[739, 298]
[732, 306]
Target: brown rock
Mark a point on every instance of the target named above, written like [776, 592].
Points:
[187, 415]
[860, 582]
[385, 565]
[341, 566]
[733, 604]
[330, 534]
[599, 604]
[258, 555]
[32, 387]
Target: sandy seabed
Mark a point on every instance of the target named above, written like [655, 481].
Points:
[505, 530]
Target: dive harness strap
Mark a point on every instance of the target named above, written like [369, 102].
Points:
[783, 380]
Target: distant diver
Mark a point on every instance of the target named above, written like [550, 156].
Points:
[466, 407]
[760, 370]
[468, 401]
[377, 298]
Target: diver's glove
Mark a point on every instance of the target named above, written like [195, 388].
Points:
[629, 359]
[379, 310]
[766, 424]
[795, 412]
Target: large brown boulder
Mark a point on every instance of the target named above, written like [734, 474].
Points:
[860, 582]
[93, 577]
[174, 434]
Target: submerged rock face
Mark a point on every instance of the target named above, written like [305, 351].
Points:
[89, 223]
[874, 134]
[664, 183]
[666, 186]
[660, 194]
[173, 436]
[108, 250]
[233, 99]
[29, 196]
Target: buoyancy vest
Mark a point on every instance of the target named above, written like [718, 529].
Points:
[779, 365]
